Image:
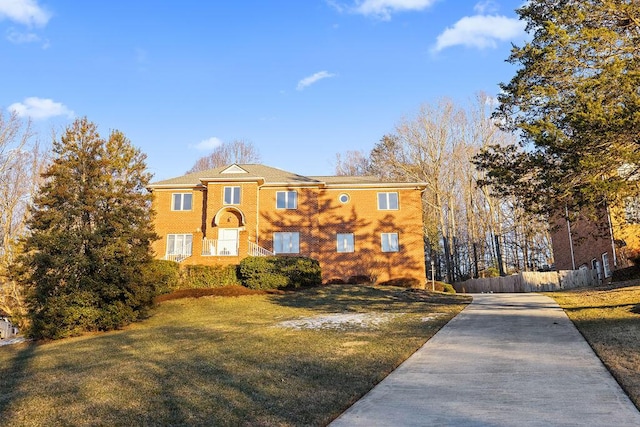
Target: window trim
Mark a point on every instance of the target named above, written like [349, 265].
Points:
[184, 244]
[345, 249]
[387, 201]
[231, 188]
[287, 199]
[386, 238]
[182, 197]
[290, 241]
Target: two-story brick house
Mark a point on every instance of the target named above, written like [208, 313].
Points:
[353, 226]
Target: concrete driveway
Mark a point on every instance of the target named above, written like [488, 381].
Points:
[506, 360]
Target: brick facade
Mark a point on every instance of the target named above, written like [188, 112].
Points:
[594, 240]
[325, 207]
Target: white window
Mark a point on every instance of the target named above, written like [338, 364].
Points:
[345, 242]
[179, 244]
[181, 202]
[389, 242]
[387, 201]
[605, 265]
[286, 200]
[286, 242]
[231, 195]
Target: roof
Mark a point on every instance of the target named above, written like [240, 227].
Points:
[269, 176]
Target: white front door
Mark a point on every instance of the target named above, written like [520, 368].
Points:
[228, 241]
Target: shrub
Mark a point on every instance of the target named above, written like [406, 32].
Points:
[448, 288]
[359, 279]
[279, 272]
[300, 271]
[164, 275]
[403, 282]
[208, 276]
[261, 273]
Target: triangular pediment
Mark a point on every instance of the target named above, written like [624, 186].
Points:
[234, 169]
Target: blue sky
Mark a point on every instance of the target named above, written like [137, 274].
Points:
[300, 79]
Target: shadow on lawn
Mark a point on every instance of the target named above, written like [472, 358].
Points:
[12, 374]
[358, 298]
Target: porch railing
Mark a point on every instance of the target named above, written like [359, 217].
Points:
[219, 247]
[176, 257]
[255, 250]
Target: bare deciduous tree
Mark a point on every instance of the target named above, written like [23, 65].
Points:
[353, 163]
[21, 164]
[237, 151]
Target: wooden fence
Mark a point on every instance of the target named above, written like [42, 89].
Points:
[530, 282]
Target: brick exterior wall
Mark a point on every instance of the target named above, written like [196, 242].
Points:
[319, 216]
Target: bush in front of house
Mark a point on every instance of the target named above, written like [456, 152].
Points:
[300, 271]
[279, 272]
[403, 282]
[208, 276]
[163, 274]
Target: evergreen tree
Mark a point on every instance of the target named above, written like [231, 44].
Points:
[90, 236]
[575, 103]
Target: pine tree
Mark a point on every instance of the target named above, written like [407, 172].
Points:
[575, 103]
[90, 236]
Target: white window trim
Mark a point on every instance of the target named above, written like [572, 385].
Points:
[186, 246]
[173, 205]
[387, 197]
[341, 243]
[224, 195]
[289, 241]
[287, 194]
[386, 237]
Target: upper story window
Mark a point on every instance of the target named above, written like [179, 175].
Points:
[231, 195]
[387, 201]
[181, 202]
[286, 200]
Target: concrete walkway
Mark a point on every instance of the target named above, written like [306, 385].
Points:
[506, 360]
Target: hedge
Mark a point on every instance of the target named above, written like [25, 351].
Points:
[208, 276]
[279, 272]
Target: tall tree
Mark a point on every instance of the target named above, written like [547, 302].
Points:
[574, 101]
[90, 236]
[352, 163]
[21, 163]
[238, 151]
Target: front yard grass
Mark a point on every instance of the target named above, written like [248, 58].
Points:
[609, 319]
[223, 361]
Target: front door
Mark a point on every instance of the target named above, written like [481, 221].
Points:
[228, 241]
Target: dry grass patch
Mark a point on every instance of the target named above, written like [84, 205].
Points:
[609, 319]
[222, 361]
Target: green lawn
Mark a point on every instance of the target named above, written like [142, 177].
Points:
[609, 319]
[223, 361]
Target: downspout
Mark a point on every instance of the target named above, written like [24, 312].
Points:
[573, 260]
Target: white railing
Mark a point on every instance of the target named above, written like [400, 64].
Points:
[176, 257]
[255, 250]
[219, 247]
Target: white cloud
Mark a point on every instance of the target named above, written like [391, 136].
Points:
[208, 144]
[384, 8]
[39, 108]
[480, 31]
[18, 37]
[484, 7]
[26, 12]
[308, 81]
